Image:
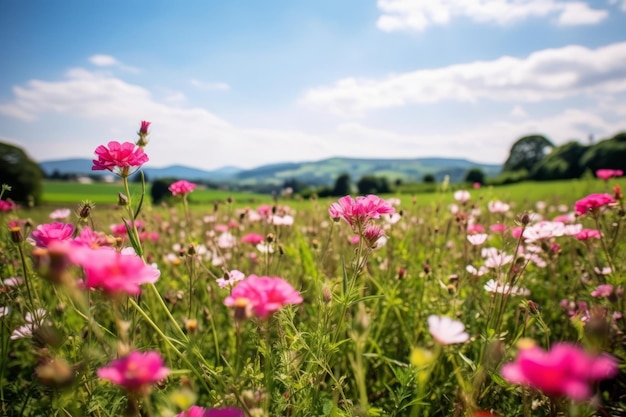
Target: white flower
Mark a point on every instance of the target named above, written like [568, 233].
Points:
[543, 230]
[476, 272]
[447, 331]
[265, 247]
[604, 271]
[393, 218]
[502, 288]
[12, 281]
[285, 220]
[60, 214]
[234, 276]
[498, 207]
[4, 311]
[477, 239]
[462, 196]
[226, 240]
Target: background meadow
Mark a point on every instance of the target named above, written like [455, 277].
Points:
[359, 343]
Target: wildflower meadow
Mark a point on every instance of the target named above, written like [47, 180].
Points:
[472, 306]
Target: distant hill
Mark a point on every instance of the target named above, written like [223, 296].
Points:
[83, 167]
[316, 173]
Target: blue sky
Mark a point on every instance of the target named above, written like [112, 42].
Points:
[247, 83]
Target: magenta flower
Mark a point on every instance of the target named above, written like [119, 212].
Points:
[182, 187]
[592, 203]
[196, 411]
[112, 271]
[603, 290]
[135, 372]
[263, 295]
[143, 130]
[606, 174]
[120, 158]
[587, 234]
[253, 238]
[564, 370]
[6, 206]
[360, 211]
[52, 232]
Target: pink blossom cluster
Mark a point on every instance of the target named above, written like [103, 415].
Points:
[566, 369]
[360, 211]
[592, 203]
[135, 372]
[606, 174]
[263, 295]
[45, 234]
[6, 206]
[182, 187]
[120, 158]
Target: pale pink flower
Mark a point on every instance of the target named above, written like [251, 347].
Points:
[604, 271]
[572, 229]
[477, 239]
[476, 272]
[393, 218]
[494, 286]
[263, 295]
[355, 239]
[226, 240]
[286, 220]
[113, 272]
[446, 330]
[566, 369]
[587, 234]
[462, 196]
[230, 278]
[265, 247]
[566, 218]
[182, 187]
[12, 281]
[603, 290]
[357, 213]
[4, 311]
[495, 258]
[60, 214]
[253, 238]
[498, 207]
[135, 372]
[607, 174]
[52, 232]
[543, 230]
[120, 158]
[593, 202]
[372, 234]
[33, 321]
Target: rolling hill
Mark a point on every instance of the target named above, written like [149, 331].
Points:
[316, 173]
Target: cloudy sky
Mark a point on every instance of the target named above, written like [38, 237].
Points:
[247, 82]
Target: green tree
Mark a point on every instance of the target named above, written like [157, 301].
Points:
[609, 153]
[369, 184]
[159, 191]
[527, 152]
[562, 163]
[429, 179]
[475, 175]
[21, 173]
[343, 185]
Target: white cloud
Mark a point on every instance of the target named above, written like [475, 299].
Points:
[623, 3]
[518, 111]
[101, 60]
[417, 15]
[209, 86]
[550, 74]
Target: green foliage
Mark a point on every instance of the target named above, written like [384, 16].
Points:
[527, 152]
[159, 191]
[564, 162]
[428, 179]
[610, 153]
[343, 185]
[475, 175]
[370, 184]
[21, 173]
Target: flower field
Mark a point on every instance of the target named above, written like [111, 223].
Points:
[475, 304]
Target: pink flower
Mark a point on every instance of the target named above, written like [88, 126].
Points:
[360, 211]
[60, 214]
[446, 330]
[143, 130]
[196, 411]
[355, 239]
[89, 238]
[135, 372]
[112, 271]
[230, 278]
[263, 295]
[462, 196]
[253, 238]
[592, 203]
[587, 234]
[498, 228]
[6, 206]
[604, 290]
[182, 187]
[516, 232]
[52, 232]
[475, 229]
[564, 370]
[498, 207]
[372, 234]
[120, 158]
[606, 174]
[477, 239]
